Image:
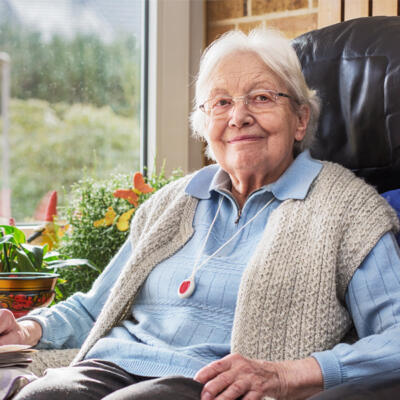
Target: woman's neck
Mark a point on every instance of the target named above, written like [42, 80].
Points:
[245, 182]
[242, 188]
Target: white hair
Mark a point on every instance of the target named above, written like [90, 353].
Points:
[278, 55]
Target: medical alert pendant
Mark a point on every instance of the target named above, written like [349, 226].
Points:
[186, 288]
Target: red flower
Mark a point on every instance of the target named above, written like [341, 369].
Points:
[132, 195]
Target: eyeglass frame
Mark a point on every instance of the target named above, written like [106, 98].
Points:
[245, 99]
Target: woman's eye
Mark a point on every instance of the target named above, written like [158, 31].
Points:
[222, 102]
[262, 98]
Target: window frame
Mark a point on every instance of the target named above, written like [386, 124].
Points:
[175, 42]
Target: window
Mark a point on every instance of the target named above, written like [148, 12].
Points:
[74, 105]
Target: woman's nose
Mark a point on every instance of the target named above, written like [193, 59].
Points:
[239, 115]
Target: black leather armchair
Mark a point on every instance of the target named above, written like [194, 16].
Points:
[355, 67]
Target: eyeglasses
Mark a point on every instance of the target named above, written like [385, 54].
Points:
[257, 102]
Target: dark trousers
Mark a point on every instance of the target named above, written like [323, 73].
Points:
[97, 379]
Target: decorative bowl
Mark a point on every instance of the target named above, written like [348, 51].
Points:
[21, 292]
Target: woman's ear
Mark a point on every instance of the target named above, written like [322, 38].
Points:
[303, 115]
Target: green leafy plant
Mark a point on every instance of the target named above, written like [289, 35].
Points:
[88, 203]
[18, 256]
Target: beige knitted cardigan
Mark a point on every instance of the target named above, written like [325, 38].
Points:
[292, 294]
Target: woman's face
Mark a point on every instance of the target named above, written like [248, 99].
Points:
[246, 142]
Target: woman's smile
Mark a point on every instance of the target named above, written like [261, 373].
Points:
[245, 138]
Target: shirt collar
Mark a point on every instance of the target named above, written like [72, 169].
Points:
[294, 183]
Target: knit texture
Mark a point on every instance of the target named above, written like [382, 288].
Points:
[44, 359]
[291, 297]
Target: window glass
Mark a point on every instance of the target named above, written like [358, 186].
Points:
[74, 101]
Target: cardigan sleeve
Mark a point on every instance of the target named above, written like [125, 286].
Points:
[373, 300]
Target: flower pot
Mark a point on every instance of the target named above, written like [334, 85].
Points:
[21, 292]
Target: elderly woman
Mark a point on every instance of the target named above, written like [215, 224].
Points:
[246, 279]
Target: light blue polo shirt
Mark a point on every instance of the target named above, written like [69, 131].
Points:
[174, 336]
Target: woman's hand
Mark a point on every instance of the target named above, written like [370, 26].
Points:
[13, 332]
[234, 376]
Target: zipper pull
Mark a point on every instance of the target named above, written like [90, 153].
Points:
[239, 215]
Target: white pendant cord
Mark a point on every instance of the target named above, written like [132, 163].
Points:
[200, 253]
[188, 286]
[197, 267]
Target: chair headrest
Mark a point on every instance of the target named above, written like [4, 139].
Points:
[355, 68]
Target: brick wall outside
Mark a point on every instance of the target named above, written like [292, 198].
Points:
[292, 17]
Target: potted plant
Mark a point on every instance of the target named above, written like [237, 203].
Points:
[99, 212]
[28, 272]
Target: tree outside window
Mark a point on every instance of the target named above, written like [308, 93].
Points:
[75, 94]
